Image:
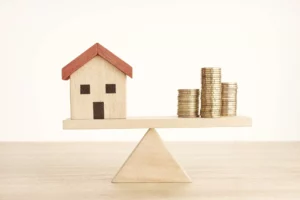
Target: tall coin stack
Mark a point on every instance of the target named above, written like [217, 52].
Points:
[211, 93]
[188, 103]
[229, 99]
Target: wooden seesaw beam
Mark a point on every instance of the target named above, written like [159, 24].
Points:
[158, 122]
[150, 161]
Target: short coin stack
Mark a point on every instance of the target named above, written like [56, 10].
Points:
[188, 103]
[211, 93]
[229, 96]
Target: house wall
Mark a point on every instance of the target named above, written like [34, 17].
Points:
[98, 72]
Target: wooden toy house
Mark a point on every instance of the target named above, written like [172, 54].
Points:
[97, 84]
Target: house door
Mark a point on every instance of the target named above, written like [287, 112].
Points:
[98, 108]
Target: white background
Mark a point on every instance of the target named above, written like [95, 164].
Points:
[256, 42]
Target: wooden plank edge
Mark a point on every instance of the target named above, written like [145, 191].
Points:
[135, 123]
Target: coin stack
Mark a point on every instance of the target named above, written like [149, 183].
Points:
[229, 97]
[211, 92]
[188, 103]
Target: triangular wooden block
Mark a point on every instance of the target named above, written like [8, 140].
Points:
[150, 161]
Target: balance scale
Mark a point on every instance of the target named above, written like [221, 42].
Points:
[98, 101]
[150, 161]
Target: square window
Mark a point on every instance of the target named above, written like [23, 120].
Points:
[84, 89]
[110, 88]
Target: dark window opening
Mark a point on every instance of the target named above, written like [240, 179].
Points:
[84, 89]
[110, 88]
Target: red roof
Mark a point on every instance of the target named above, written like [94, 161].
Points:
[96, 50]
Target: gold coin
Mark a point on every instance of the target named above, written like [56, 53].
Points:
[229, 94]
[188, 116]
[214, 109]
[188, 113]
[229, 102]
[224, 106]
[192, 98]
[188, 102]
[205, 92]
[225, 97]
[229, 83]
[210, 82]
[228, 111]
[210, 92]
[211, 98]
[229, 98]
[217, 110]
[210, 69]
[231, 113]
[229, 88]
[211, 87]
[211, 106]
[211, 73]
[210, 116]
[233, 87]
[211, 78]
[225, 101]
[188, 93]
[188, 90]
[229, 91]
[187, 107]
[181, 102]
[188, 96]
[210, 111]
[218, 78]
[211, 95]
[188, 99]
[211, 101]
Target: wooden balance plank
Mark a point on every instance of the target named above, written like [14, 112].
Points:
[158, 122]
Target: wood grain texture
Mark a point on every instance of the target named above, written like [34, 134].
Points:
[97, 73]
[158, 122]
[83, 171]
[151, 162]
[90, 53]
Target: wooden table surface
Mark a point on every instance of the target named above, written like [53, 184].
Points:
[83, 171]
